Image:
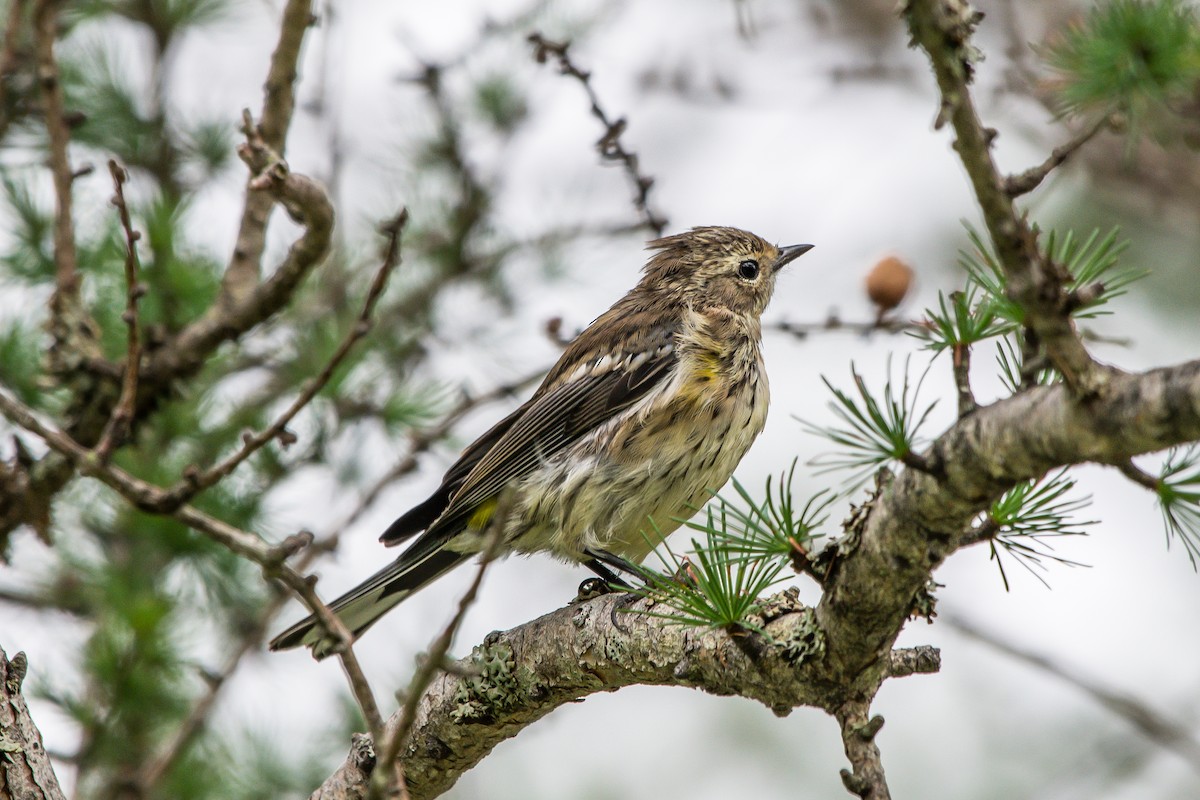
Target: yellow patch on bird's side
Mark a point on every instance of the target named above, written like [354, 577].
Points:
[708, 365]
[481, 516]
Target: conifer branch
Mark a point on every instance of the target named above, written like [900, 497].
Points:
[943, 29]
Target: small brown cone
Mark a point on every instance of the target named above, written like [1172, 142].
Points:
[888, 282]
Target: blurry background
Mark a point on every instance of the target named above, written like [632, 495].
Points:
[801, 121]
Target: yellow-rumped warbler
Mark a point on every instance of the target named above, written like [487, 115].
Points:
[645, 415]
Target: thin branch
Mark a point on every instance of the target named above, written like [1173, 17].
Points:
[117, 427]
[610, 146]
[859, 729]
[360, 687]
[252, 442]
[270, 558]
[389, 748]
[279, 102]
[307, 202]
[943, 29]
[1156, 727]
[1030, 179]
[1138, 475]
[66, 277]
[420, 440]
[802, 330]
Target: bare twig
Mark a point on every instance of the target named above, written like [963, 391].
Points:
[279, 102]
[1030, 179]
[610, 146]
[1154, 726]
[46, 30]
[420, 440]
[117, 427]
[307, 202]
[359, 686]
[1138, 475]
[389, 748]
[198, 481]
[859, 729]
[802, 330]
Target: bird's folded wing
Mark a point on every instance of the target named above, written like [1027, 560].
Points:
[555, 420]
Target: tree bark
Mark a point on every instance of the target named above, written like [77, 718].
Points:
[831, 657]
[25, 769]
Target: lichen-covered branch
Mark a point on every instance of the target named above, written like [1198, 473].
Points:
[920, 518]
[859, 728]
[827, 657]
[517, 677]
[25, 769]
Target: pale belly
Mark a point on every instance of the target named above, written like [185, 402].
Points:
[624, 493]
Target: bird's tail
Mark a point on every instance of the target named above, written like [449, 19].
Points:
[359, 608]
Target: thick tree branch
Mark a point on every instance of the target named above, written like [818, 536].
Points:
[827, 657]
[517, 677]
[25, 769]
[920, 518]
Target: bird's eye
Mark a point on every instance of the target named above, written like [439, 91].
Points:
[748, 269]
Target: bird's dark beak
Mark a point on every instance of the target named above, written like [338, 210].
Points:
[789, 254]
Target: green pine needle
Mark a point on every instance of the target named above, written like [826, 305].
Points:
[1179, 499]
[985, 273]
[961, 320]
[1029, 516]
[874, 433]
[772, 529]
[1093, 263]
[719, 589]
[1012, 366]
[1128, 56]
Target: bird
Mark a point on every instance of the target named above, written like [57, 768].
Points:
[641, 421]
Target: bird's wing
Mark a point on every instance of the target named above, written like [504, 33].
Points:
[422, 516]
[556, 418]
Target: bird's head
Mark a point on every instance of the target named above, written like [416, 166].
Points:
[716, 266]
